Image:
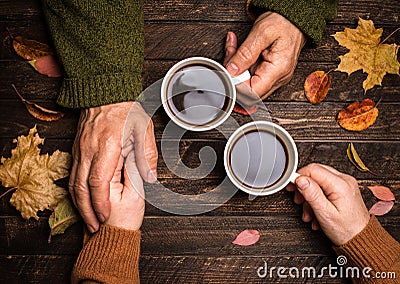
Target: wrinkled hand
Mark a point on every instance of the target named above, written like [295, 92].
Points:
[97, 151]
[270, 52]
[331, 200]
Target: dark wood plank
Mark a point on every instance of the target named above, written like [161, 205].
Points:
[37, 269]
[169, 269]
[283, 234]
[228, 269]
[383, 12]
[344, 88]
[303, 121]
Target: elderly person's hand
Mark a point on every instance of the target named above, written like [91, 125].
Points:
[97, 154]
[331, 200]
[270, 52]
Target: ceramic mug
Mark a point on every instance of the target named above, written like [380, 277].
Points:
[261, 158]
[199, 94]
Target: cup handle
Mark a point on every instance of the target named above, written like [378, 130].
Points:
[241, 78]
[294, 177]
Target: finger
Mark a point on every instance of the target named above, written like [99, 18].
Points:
[82, 196]
[290, 187]
[102, 170]
[328, 181]
[268, 77]
[146, 153]
[132, 179]
[230, 46]
[315, 225]
[248, 53]
[308, 214]
[313, 194]
[298, 198]
[72, 178]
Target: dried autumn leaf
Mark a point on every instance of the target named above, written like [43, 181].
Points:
[367, 53]
[30, 49]
[32, 175]
[356, 160]
[247, 238]
[38, 111]
[358, 116]
[47, 65]
[64, 216]
[316, 86]
[381, 208]
[245, 111]
[382, 192]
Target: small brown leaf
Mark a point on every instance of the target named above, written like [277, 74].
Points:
[316, 86]
[381, 208]
[247, 238]
[38, 111]
[30, 49]
[382, 192]
[358, 116]
[356, 160]
[47, 65]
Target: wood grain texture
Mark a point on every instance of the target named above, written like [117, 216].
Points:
[198, 249]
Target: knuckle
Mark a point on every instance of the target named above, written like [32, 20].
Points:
[245, 53]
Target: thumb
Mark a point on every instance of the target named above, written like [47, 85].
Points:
[313, 194]
[247, 54]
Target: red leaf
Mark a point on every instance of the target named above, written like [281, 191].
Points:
[247, 238]
[381, 208]
[47, 65]
[382, 192]
[245, 111]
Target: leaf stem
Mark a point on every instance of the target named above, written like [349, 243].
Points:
[18, 93]
[9, 190]
[389, 35]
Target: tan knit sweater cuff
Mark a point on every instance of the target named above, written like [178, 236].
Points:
[373, 247]
[110, 256]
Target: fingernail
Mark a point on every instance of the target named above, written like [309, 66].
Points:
[152, 176]
[91, 229]
[232, 69]
[228, 36]
[101, 217]
[302, 183]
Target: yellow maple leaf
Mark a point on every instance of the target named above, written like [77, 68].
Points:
[33, 175]
[367, 53]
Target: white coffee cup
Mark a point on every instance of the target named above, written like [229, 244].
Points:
[199, 94]
[261, 158]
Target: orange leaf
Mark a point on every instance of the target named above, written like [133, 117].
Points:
[358, 116]
[247, 238]
[381, 208]
[30, 49]
[316, 86]
[382, 192]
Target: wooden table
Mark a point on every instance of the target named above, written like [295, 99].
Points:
[198, 249]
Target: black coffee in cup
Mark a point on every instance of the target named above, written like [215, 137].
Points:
[197, 94]
[258, 159]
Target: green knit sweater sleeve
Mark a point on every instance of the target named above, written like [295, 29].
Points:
[100, 45]
[310, 16]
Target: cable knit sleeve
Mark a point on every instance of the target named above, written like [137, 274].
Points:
[310, 16]
[100, 45]
[373, 247]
